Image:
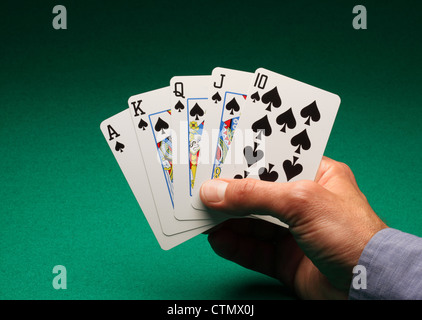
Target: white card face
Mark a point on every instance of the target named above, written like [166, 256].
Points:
[289, 123]
[121, 137]
[227, 96]
[189, 101]
[151, 117]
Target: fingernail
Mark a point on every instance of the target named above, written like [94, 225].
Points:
[213, 190]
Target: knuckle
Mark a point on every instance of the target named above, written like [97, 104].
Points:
[346, 168]
[242, 191]
[302, 191]
[306, 201]
[340, 168]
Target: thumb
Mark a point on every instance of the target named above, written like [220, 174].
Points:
[288, 202]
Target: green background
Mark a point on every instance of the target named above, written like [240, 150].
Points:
[63, 198]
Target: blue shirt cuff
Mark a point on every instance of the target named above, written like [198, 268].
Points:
[393, 263]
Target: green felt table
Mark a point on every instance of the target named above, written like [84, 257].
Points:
[64, 200]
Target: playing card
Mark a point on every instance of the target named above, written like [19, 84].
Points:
[282, 133]
[227, 95]
[151, 116]
[189, 101]
[290, 123]
[121, 137]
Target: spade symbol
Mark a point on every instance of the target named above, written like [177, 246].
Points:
[272, 98]
[286, 119]
[239, 176]
[262, 125]
[301, 140]
[161, 125]
[179, 106]
[255, 97]
[311, 112]
[119, 146]
[142, 124]
[232, 106]
[252, 155]
[196, 112]
[216, 97]
[268, 175]
[291, 168]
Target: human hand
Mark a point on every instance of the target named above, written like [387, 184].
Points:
[330, 222]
